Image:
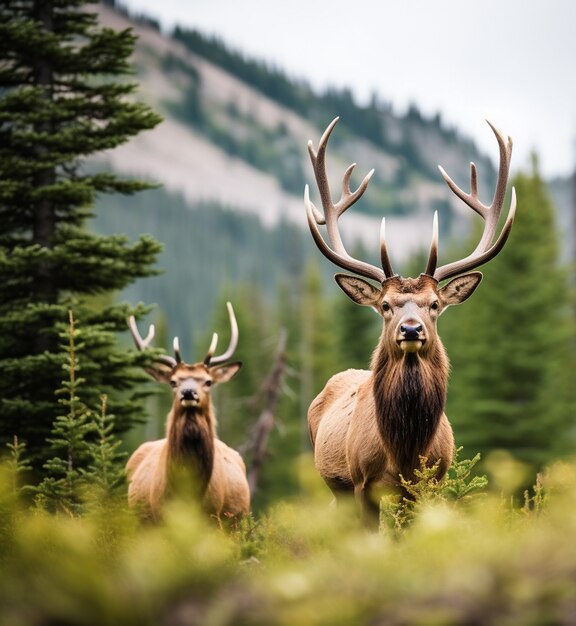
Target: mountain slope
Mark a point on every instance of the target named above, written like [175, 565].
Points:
[214, 156]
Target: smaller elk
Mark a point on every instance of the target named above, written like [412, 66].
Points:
[368, 427]
[191, 451]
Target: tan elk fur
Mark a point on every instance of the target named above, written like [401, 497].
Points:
[192, 452]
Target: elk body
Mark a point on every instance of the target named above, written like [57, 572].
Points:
[190, 458]
[368, 427]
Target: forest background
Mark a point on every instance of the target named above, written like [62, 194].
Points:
[84, 244]
[510, 347]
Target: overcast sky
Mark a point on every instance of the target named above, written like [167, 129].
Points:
[510, 61]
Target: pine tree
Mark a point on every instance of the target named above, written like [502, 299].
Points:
[63, 96]
[510, 344]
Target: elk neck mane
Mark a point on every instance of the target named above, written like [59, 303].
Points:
[190, 437]
[410, 396]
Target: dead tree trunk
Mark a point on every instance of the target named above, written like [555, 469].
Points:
[257, 446]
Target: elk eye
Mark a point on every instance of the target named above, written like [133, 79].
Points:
[173, 383]
[435, 305]
[386, 307]
[207, 383]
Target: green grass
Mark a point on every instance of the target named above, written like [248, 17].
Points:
[455, 557]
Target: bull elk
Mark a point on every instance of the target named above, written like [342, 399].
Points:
[191, 450]
[369, 427]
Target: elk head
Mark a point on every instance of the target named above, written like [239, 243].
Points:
[191, 383]
[409, 306]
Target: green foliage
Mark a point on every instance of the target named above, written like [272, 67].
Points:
[106, 467]
[83, 446]
[18, 467]
[459, 484]
[63, 478]
[458, 562]
[63, 97]
[319, 348]
[511, 345]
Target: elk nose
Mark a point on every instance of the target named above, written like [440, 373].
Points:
[189, 394]
[411, 332]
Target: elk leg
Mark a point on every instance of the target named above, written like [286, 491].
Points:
[370, 510]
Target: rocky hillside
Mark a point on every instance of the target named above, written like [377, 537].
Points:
[232, 161]
[225, 139]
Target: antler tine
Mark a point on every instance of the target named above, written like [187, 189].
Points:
[176, 347]
[472, 261]
[211, 349]
[142, 344]
[485, 250]
[345, 262]
[433, 255]
[234, 334]
[336, 252]
[384, 258]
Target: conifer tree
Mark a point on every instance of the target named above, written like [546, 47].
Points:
[63, 96]
[319, 348]
[61, 486]
[510, 344]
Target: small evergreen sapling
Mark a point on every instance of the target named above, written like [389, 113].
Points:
[106, 468]
[18, 466]
[62, 484]
[86, 460]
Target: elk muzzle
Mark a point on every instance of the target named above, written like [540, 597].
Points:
[188, 393]
[411, 335]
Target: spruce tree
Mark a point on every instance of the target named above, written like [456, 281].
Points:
[63, 97]
[510, 344]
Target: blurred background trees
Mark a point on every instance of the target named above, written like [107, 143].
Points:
[512, 345]
[70, 95]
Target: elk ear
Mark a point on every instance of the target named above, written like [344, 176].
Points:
[460, 288]
[358, 290]
[223, 373]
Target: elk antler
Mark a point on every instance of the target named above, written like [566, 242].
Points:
[336, 251]
[209, 359]
[217, 360]
[485, 250]
[141, 344]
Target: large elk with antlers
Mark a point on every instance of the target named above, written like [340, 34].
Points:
[370, 427]
[191, 452]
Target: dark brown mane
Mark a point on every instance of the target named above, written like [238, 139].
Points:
[410, 396]
[191, 447]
